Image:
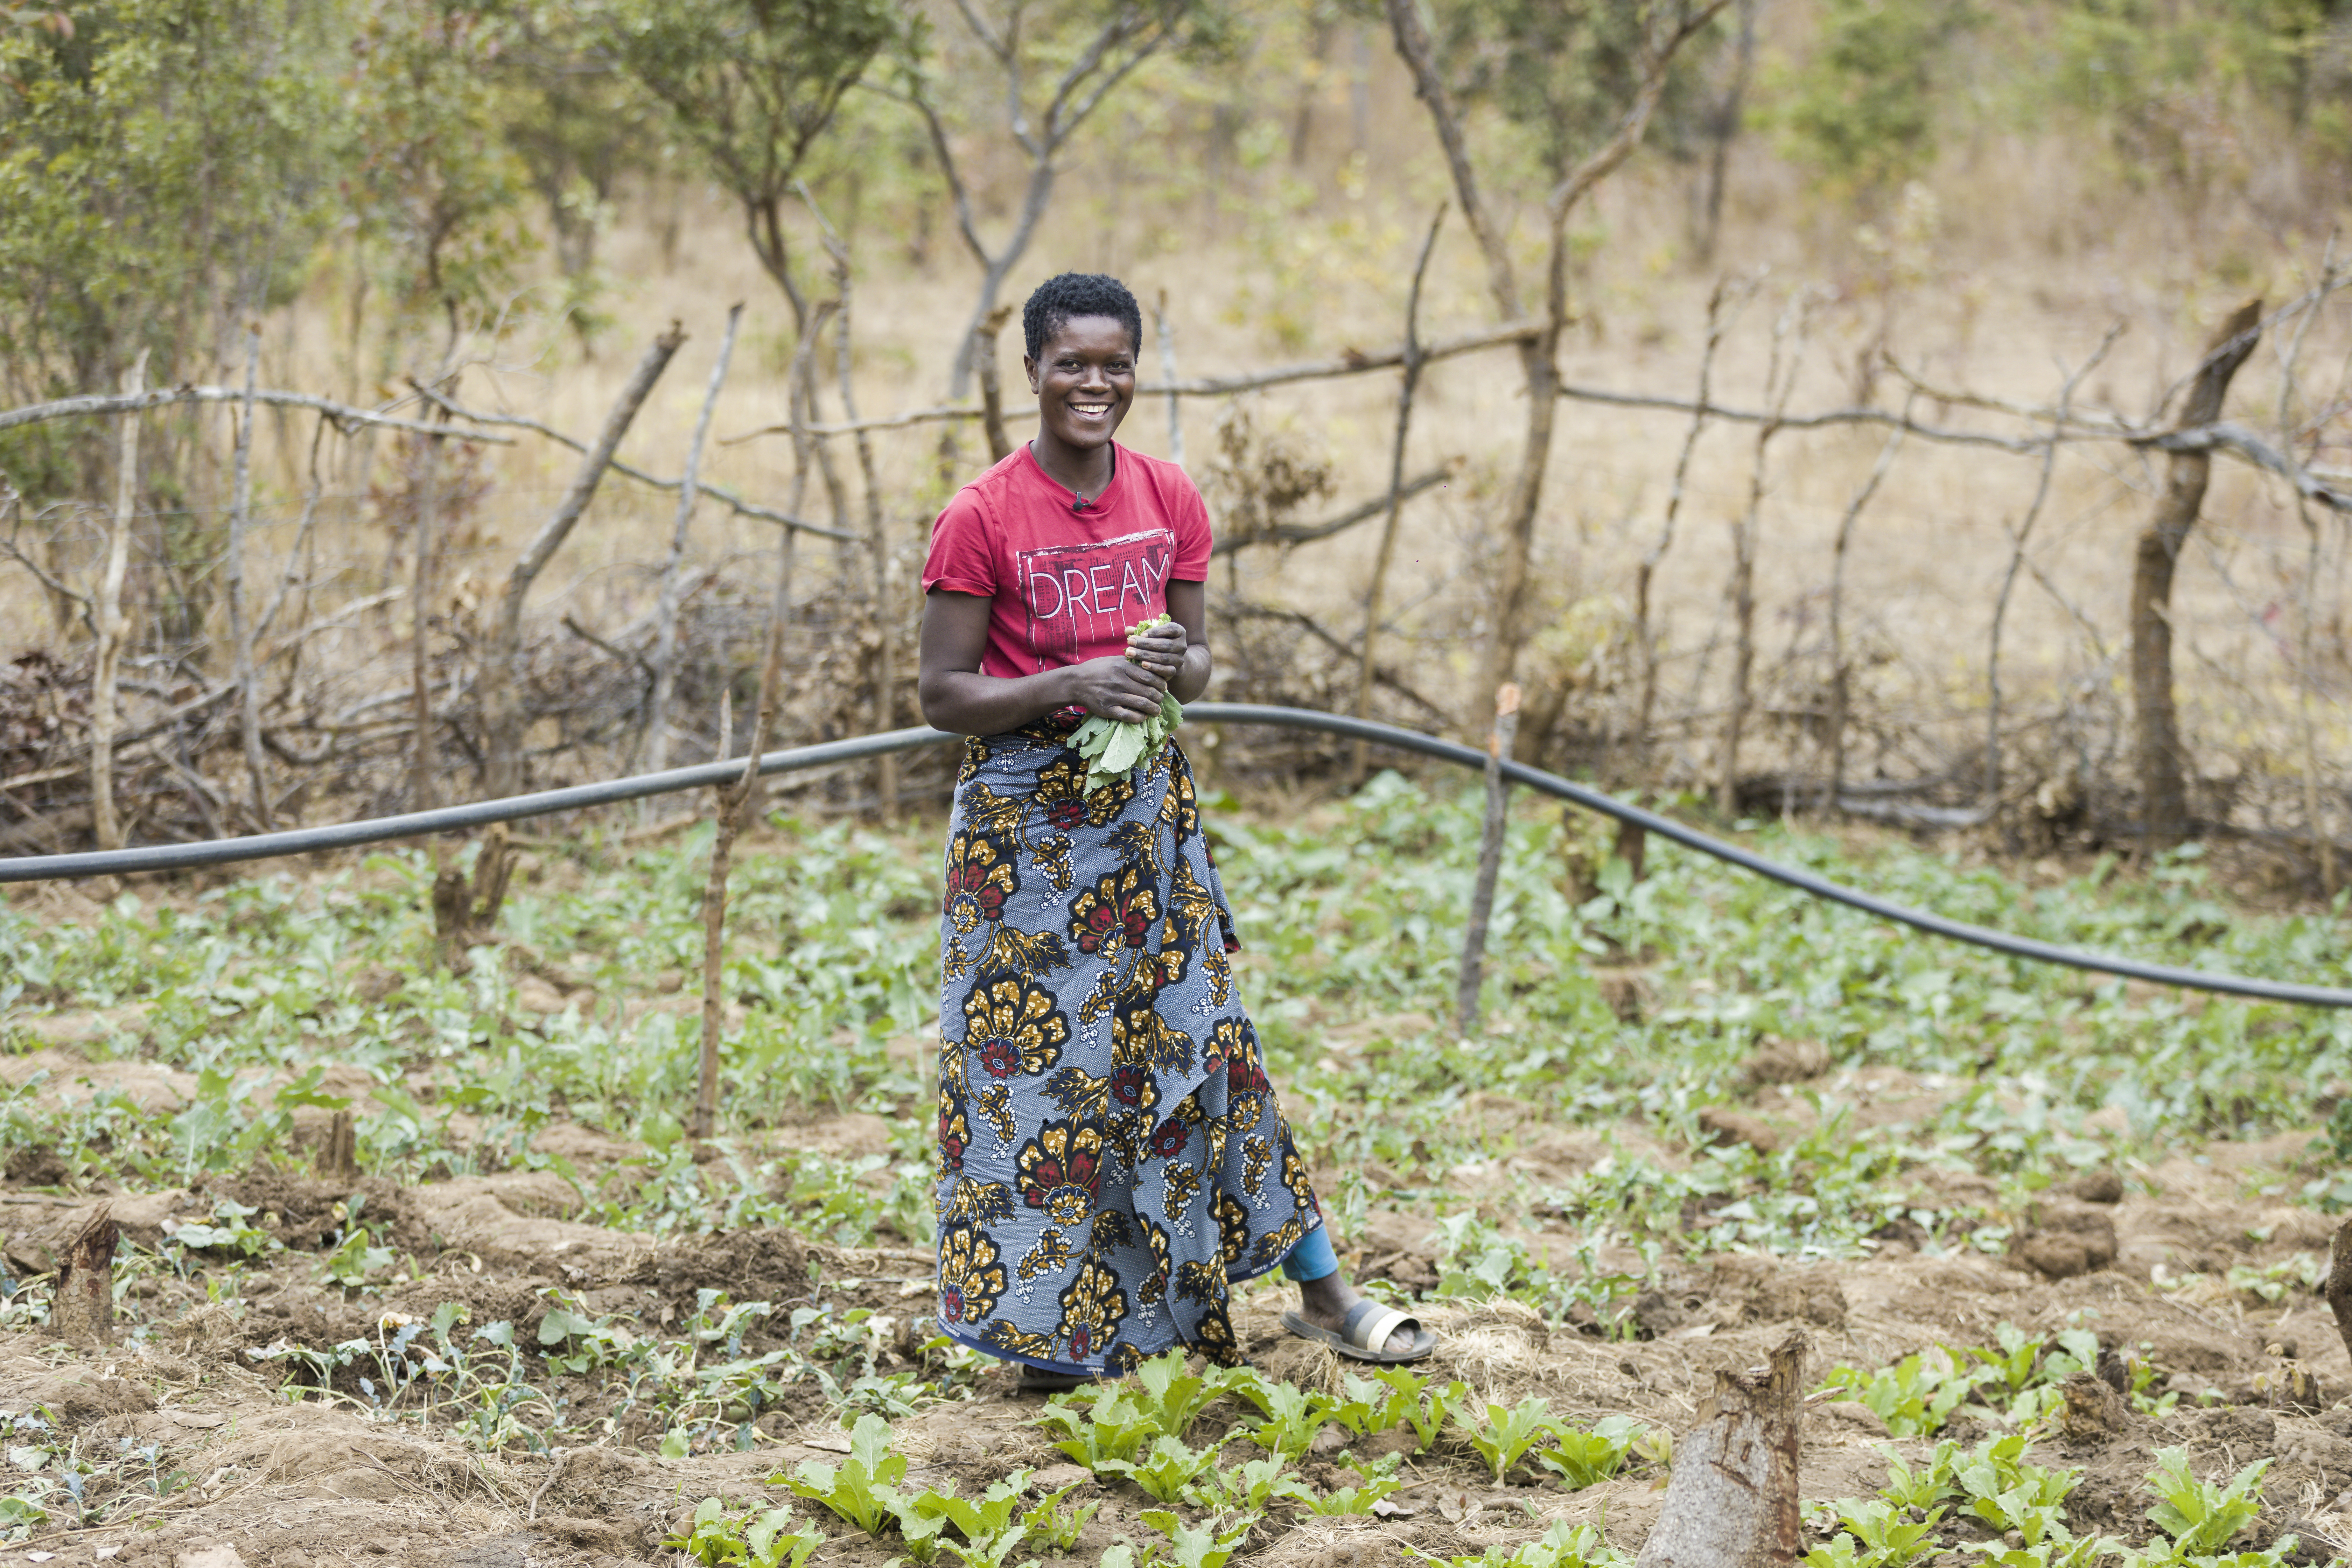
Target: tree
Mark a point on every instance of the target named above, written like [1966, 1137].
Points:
[1101, 46]
[1581, 81]
[751, 85]
[1862, 114]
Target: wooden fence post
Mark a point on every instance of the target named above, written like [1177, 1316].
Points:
[1490, 859]
[2164, 794]
[106, 825]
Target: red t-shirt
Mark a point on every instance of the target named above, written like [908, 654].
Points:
[1067, 584]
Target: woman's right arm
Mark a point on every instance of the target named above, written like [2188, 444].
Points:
[960, 700]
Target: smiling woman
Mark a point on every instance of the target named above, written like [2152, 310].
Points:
[1111, 1157]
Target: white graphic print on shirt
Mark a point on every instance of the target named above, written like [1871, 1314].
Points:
[1085, 593]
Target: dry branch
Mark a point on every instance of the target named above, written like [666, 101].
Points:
[136, 402]
[724, 497]
[1308, 533]
[2337, 1288]
[105, 824]
[241, 632]
[502, 682]
[1490, 861]
[665, 660]
[1392, 507]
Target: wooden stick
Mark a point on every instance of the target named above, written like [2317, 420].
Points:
[719, 493]
[1645, 635]
[502, 671]
[131, 402]
[991, 388]
[1839, 674]
[2337, 1288]
[240, 630]
[1394, 507]
[1744, 528]
[1308, 533]
[1167, 332]
[665, 661]
[106, 825]
[1732, 1499]
[424, 757]
[877, 550]
[2019, 537]
[1490, 861]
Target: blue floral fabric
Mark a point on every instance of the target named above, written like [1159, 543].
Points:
[1111, 1157]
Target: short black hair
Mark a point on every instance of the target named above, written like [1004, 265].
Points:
[1079, 294]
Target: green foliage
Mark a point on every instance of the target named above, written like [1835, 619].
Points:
[757, 1538]
[1863, 110]
[1113, 746]
[1166, 1472]
[1915, 1396]
[1586, 1458]
[2201, 1516]
[1562, 1546]
[1503, 1438]
[228, 1234]
[860, 1490]
[1875, 1534]
[1053, 1523]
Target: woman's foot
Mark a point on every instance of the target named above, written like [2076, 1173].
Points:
[1036, 1380]
[1333, 1310]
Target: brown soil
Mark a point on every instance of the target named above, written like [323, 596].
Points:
[287, 1471]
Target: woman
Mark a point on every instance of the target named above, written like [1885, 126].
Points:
[1110, 1155]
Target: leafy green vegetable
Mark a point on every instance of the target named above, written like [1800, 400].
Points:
[1113, 746]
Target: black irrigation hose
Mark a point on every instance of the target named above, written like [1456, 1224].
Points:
[262, 847]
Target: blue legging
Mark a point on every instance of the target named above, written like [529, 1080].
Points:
[1311, 1258]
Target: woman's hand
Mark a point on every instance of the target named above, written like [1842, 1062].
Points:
[1117, 687]
[1160, 649]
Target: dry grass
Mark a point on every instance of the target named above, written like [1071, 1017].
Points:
[1990, 284]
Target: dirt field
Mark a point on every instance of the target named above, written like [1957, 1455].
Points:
[291, 1462]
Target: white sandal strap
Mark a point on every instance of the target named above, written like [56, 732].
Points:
[1382, 1324]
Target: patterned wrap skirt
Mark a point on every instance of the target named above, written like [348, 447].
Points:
[1111, 1159]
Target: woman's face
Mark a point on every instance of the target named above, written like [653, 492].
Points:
[1084, 377]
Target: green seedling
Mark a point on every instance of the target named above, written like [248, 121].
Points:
[1562, 1546]
[765, 1538]
[1363, 1405]
[1504, 1438]
[1293, 1416]
[1380, 1482]
[1166, 1471]
[1916, 1395]
[1116, 1427]
[2200, 1516]
[1923, 1488]
[1584, 1458]
[1206, 1545]
[1877, 1535]
[1050, 1524]
[1170, 1396]
[1249, 1487]
[356, 1260]
[228, 1232]
[2003, 1490]
[1415, 1403]
[861, 1490]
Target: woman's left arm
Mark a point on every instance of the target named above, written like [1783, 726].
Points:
[1178, 651]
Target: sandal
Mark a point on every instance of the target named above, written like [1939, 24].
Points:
[1370, 1333]
[1036, 1380]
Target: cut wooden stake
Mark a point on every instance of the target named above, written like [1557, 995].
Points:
[991, 388]
[1732, 1501]
[240, 625]
[1490, 859]
[666, 614]
[106, 677]
[2337, 1289]
[1414, 360]
[83, 1312]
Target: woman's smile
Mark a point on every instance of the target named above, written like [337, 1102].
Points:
[1084, 376]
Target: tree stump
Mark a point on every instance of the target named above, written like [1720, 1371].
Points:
[339, 1159]
[1732, 1502]
[2337, 1287]
[83, 1312]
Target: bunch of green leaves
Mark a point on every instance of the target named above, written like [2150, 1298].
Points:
[1503, 1436]
[1113, 746]
[1917, 1395]
[2201, 1519]
[228, 1232]
[1587, 1457]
